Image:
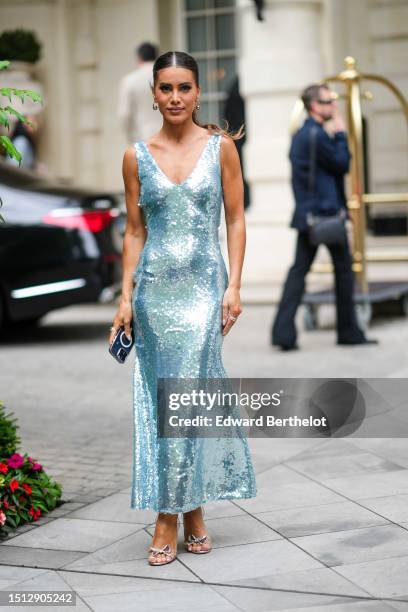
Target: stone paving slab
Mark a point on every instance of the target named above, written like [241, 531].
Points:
[266, 601]
[325, 518]
[36, 557]
[380, 578]
[356, 545]
[322, 581]
[394, 449]
[74, 534]
[200, 598]
[10, 574]
[391, 507]
[402, 606]
[289, 496]
[114, 508]
[139, 568]
[371, 485]
[131, 548]
[346, 462]
[43, 581]
[249, 561]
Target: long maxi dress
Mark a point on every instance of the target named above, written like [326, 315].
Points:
[180, 281]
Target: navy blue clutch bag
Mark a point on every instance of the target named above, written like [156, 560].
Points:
[121, 345]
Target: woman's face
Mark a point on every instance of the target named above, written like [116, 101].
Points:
[176, 93]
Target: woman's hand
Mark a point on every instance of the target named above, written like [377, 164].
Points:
[122, 317]
[231, 308]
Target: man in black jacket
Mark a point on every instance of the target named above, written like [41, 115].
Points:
[331, 163]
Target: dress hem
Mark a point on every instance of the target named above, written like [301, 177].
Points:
[191, 506]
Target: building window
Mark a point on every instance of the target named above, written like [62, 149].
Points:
[210, 37]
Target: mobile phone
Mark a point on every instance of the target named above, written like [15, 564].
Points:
[121, 345]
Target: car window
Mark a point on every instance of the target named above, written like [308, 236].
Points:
[27, 207]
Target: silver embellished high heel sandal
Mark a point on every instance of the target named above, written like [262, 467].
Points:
[202, 540]
[170, 555]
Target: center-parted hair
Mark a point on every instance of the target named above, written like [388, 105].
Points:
[184, 60]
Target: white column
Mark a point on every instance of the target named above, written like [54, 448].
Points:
[87, 103]
[63, 142]
[279, 57]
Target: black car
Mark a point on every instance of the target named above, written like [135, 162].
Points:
[59, 246]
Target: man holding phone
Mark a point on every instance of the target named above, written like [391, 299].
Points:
[331, 163]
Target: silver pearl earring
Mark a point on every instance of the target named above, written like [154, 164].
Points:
[155, 106]
[197, 106]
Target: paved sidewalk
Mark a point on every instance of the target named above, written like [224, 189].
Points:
[327, 531]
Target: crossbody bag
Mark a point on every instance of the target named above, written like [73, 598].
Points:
[323, 229]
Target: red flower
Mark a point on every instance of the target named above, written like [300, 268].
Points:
[27, 488]
[14, 485]
[21, 498]
[6, 504]
[34, 513]
[3, 468]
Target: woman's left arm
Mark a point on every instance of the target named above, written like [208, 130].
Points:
[233, 192]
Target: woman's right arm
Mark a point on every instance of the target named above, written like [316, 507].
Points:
[133, 241]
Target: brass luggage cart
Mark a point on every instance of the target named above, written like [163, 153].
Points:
[392, 296]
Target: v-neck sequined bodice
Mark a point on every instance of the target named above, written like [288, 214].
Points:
[181, 183]
[182, 219]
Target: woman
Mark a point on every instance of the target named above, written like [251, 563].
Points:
[183, 302]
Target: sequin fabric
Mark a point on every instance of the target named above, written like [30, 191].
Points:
[180, 281]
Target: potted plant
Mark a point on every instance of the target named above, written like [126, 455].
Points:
[20, 50]
[20, 46]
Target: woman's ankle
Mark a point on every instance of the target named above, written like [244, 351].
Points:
[170, 519]
[193, 513]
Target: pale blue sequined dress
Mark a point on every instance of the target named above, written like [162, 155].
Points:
[177, 317]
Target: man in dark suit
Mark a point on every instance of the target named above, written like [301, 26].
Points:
[331, 163]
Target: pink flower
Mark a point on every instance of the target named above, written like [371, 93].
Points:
[2, 518]
[34, 464]
[15, 461]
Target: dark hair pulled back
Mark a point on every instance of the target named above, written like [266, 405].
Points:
[184, 60]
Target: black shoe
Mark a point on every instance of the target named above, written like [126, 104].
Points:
[288, 347]
[363, 341]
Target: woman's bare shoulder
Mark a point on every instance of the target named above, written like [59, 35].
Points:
[130, 165]
[228, 148]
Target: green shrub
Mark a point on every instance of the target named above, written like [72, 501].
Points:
[20, 45]
[9, 439]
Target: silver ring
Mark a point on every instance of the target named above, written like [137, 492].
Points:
[232, 318]
[113, 327]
